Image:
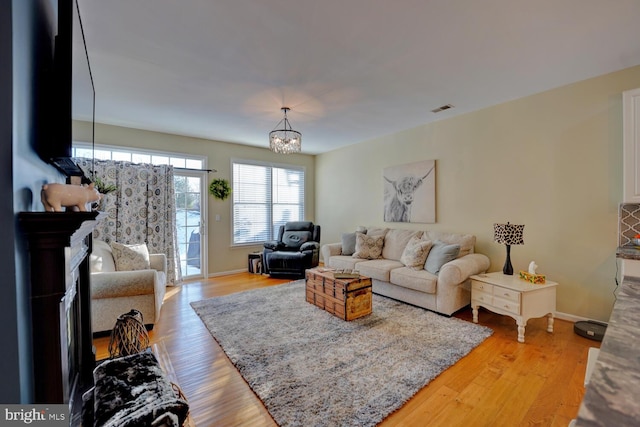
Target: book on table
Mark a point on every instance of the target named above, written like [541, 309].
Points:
[346, 273]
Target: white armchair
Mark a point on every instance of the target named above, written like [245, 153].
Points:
[117, 292]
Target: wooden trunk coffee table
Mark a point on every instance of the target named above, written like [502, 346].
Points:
[347, 299]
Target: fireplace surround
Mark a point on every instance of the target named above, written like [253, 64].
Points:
[62, 342]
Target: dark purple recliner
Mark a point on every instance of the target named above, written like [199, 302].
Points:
[297, 249]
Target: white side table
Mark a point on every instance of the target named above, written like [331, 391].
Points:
[513, 297]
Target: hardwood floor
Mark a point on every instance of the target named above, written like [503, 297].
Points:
[500, 383]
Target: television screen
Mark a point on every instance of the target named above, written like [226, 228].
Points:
[74, 91]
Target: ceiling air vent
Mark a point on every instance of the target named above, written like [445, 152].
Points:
[444, 107]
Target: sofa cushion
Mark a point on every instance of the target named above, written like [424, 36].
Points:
[101, 259]
[440, 254]
[348, 243]
[395, 240]
[368, 247]
[415, 253]
[373, 231]
[466, 241]
[379, 269]
[130, 257]
[344, 262]
[418, 280]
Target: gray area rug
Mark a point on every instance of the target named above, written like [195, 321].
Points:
[313, 369]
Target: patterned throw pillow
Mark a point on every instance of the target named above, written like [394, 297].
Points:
[130, 257]
[368, 247]
[415, 253]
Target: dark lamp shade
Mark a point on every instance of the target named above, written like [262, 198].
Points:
[508, 234]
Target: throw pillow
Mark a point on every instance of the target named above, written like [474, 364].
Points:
[415, 253]
[130, 257]
[395, 240]
[101, 259]
[348, 243]
[466, 241]
[440, 254]
[373, 231]
[368, 247]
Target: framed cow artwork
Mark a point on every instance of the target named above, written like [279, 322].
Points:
[410, 192]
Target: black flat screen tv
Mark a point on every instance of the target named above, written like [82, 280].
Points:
[74, 92]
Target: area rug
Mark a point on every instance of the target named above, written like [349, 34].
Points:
[311, 368]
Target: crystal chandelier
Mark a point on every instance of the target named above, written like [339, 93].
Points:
[283, 139]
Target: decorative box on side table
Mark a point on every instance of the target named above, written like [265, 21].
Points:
[347, 299]
[514, 297]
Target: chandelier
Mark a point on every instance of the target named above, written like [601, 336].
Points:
[283, 139]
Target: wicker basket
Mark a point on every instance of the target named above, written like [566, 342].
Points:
[129, 336]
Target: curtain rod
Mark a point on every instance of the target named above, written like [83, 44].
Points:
[196, 170]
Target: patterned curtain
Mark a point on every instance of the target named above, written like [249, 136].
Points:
[141, 210]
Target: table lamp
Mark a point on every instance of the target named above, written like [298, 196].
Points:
[508, 234]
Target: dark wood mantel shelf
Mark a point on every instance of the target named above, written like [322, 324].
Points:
[44, 228]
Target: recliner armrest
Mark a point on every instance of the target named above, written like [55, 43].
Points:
[274, 245]
[310, 246]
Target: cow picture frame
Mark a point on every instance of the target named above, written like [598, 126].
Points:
[410, 192]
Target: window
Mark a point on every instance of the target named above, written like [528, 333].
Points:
[190, 188]
[265, 196]
[107, 152]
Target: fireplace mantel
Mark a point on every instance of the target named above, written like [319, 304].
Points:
[60, 295]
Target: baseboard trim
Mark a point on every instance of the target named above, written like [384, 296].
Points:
[227, 273]
[573, 318]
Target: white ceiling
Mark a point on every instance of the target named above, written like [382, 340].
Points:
[350, 70]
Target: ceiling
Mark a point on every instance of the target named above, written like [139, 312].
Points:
[350, 70]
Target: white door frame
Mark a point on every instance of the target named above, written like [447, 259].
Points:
[204, 240]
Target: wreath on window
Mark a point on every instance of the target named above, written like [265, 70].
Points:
[219, 188]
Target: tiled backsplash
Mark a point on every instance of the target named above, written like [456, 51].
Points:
[628, 222]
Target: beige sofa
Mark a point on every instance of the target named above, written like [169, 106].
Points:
[446, 289]
[117, 292]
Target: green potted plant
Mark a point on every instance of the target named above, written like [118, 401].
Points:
[219, 188]
[102, 187]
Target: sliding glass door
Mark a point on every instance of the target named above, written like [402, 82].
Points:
[191, 222]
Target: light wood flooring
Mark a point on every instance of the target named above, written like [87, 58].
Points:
[500, 383]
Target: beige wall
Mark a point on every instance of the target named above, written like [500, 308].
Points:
[222, 256]
[551, 161]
